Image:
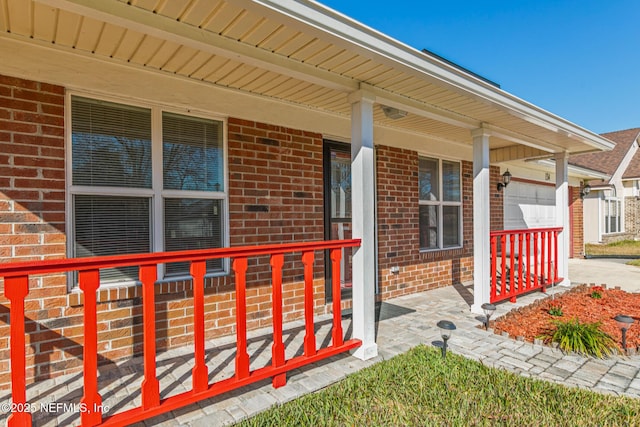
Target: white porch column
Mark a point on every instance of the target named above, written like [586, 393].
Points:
[481, 220]
[364, 224]
[562, 215]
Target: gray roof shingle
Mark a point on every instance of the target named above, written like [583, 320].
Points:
[608, 161]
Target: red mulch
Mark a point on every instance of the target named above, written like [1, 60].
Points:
[532, 321]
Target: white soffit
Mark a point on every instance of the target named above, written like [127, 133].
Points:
[301, 52]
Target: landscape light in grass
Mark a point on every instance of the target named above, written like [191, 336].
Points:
[624, 323]
[446, 329]
[488, 309]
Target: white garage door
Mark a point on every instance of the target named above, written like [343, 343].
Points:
[528, 205]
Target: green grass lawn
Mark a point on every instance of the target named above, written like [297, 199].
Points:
[624, 248]
[634, 262]
[420, 388]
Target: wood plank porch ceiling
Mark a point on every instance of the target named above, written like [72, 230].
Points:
[246, 46]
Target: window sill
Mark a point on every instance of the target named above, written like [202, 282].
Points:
[452, 248]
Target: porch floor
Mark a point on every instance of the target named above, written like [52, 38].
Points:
[403, 323]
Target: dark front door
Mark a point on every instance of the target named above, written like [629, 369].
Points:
[337, 210]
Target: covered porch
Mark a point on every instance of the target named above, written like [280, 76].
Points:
[278, 78]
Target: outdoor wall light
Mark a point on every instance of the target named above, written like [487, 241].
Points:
[624, 323]
[446, 329]
[506, 179]
[584, 191]
[489, 309]
[393, 113]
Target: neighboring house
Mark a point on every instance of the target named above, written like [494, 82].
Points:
[612, 207]
[149, 126]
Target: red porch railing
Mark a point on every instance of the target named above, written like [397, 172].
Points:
[523, 261]
[16, 288]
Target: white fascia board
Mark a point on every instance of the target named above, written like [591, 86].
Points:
[624, 163]
[351, 34]
[575, 170]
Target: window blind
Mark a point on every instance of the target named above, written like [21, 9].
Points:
[111, 144]
[192, 153]
[192, 224]
[111, 225]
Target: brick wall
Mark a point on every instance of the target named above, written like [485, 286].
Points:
[496, 199]
[398, 222]
[275, 190]
[576, 207]
[632, 216]
[32, 194]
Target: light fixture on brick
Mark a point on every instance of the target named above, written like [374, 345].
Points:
[506, 179]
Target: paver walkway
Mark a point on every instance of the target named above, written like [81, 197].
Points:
[403, 323]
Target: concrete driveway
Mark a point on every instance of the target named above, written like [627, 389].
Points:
[609, 271]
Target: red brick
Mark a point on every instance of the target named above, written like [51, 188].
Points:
[39, 162]
[38, 118]
[58, 90]
[18, 82]
[52, 130]
[11, 126]
[18, 172]
[43, 97]
[18, 104]
[39, 183]
[46, 141]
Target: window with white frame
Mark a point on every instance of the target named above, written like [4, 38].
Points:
[612, 215]
[440, 204]
[144, 180]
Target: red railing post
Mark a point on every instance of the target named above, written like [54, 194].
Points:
[336, 255]
[277, 349]
[544, 259]
[503, 264]
[550, 256]
[242, 357]
[150, 384]
[89, 281]
[520, 255]
[494, 272]
[310, 334]
[528, 260]
[200, 372]
[555, 269]
[536, 263]
[512, 271]
[536, 251]
[16, 290]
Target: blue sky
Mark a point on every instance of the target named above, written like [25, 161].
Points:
[577, 59]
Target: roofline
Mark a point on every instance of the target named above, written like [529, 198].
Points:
[626, 159]
[343, 28]
[577, 170]
[599, 187]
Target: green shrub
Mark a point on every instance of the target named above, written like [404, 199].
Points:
[584, 338]
[555, 310]
[596, 292]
